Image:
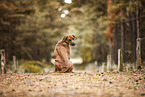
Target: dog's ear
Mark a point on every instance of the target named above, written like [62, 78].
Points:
[64, 38]
[74, 36]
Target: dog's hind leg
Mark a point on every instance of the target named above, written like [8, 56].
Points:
[70, 69]
[64, 70]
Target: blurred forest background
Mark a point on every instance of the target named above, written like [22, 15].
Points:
[30, 29]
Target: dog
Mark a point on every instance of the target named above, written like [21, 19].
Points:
[62, 54]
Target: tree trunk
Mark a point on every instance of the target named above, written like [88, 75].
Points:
[138, 48]
[134, 36]
[123, 40]
[137, 21]
[115, 47]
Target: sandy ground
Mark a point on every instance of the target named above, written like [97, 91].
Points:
[79, 84]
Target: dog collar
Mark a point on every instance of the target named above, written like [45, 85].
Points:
[66, 42]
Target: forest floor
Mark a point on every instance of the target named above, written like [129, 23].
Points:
[78, 84]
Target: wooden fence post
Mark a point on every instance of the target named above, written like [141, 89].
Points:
[120, 65]
[133, 68]
[103, 66]
[138, 53]
[99, 68]
[127, 68]
[2, 51]
[123, 41]
[14, 64]
[22, 70]
[108, 63]
[17, 65]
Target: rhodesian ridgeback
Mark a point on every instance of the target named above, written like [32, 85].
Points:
[62, 54]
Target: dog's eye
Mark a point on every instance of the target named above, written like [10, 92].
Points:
[69, 39]
[73, 38]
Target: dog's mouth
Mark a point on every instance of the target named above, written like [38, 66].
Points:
[73, 44]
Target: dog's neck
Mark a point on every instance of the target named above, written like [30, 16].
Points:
[66, 42]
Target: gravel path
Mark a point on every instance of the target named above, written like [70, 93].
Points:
[79, 84]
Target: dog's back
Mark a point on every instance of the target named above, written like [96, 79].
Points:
[61, 48]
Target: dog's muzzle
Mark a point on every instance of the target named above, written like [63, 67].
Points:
[73, 44]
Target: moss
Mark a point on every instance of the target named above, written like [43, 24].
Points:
[32, 66]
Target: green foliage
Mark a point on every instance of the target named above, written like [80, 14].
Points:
[41, 29]
[32, 66]
[35, 26]
[88, 19]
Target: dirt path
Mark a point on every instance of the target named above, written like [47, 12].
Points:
[80, 84]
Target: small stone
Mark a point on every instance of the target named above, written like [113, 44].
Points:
[13, 89]
[137, 83]
[65, 86]
[40, 79]
[104, 79]
[29, 90]
[142, 94]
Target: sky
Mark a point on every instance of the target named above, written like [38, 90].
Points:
[65, 12]
[68, 1]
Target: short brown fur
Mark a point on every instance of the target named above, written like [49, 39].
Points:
[62, 54]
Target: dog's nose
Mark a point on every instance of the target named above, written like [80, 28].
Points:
[73, 44]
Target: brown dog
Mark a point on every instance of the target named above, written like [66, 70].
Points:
[62, 54]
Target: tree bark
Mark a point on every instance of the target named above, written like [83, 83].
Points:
[137, 21]
[115, 47]
[123, 41]
[132, 34]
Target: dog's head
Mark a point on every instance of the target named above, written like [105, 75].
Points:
[69, 39]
